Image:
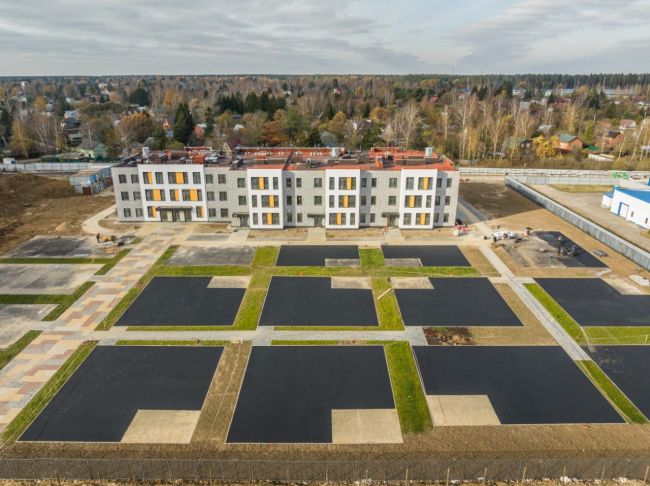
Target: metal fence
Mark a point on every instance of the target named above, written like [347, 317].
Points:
[576, 173]
[615, 242]
[335, 471]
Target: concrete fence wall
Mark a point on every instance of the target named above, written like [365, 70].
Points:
[634, 253]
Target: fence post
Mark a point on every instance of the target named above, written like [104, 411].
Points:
[645, 477]
[407, 476]
[447, 481]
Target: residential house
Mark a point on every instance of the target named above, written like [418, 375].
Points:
[518, 145]
[627, 124]
[612, 139]
[71, 128]
[569, 143]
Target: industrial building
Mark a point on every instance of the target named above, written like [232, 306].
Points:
[631, 204]
[279, 187]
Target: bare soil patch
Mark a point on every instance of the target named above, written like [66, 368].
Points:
[495, 200]
[448, 336]
[477, 259]
[34, 205]
[432, 234]
[283, 234]
[354, 234]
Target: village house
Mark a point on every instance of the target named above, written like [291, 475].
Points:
[569, 143]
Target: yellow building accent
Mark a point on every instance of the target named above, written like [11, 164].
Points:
[338, 218]
[261, 183]
[272, 201]
[147, 177]
[269, 218]
[154, 211]
[423, 217]
[425, 183]
[177, 194]
[411, 201]
[194, 195]
[345, 201]
[156, 194]
[179, 178]
[348, 183]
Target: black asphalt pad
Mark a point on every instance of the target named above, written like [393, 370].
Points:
[629, 368]
[455, 302]
[593, 302]
[582, 257]
[310, 301]
[314, 255]
[429, 255]
[526, 384]
[99, 401]
[289, 392]
[183, 301]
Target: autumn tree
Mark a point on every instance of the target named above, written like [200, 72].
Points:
[137, 127]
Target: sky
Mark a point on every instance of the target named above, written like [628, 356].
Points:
[89, 37]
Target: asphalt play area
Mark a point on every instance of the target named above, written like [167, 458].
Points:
[428, 255]
[455, 302]
[307, 394]
[118, 389]
[59, 246]
[195, 256]
[317, 301]
[318, 255]
[629, 368]
[184, 301]
[580, 256]
[593, 302]
[487, 385]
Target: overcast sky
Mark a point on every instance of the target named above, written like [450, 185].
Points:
[66, 37]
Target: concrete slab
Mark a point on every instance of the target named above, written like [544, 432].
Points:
[58, 246]
[454, 410]
[342, 262]
[411, 283]
[162, 427]
[379, 426]
[351, 283]
[639, 280]
[403, 262]
[43, 279]
[235, 282]
[623, 287]
[17, 319]
[199, 256]
[208, 237]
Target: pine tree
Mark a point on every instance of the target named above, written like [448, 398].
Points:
[183, 124]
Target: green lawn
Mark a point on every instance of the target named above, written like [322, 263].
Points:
[409, 396]
[27, 415]
[559, 314]
[265, 256]
[160, 342]
[112, 262]
[371, 258]
[10, 352]
[623, 404]
[388, 311]
[63, 301]
[617, 335]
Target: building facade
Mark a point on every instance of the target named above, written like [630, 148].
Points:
[297, 187]
[631, 204]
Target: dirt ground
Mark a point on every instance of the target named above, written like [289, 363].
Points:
[32, 205]
[283, 234]
[495, 200]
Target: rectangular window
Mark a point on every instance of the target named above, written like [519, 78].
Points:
[407, 218]
[448, 182]
[347, 201]
[298, 200]
[353, 218]
[423, 219]
[373, 200]
[173, 194]
[122, 178]
[196, 177]
[171, 177]
[289, 201]
[437, 200]
[254, 201]
[134, 178]
[425, 183]
[255, 218]
[125, 196]
[409, 183]
[151, 212]
[223, 196]
[373, 182]
[138, 212]
[210, 195]
[392, 182]
[418, 202]
[318, 200]
[298, 182]
[212, 213]
[436, 217]
[439, 182]
[221, 178]
[241, 182]
[446, 218]
[288, 180]
[372, 217]
[275, 183]
[209, 179]
[447, 200]
[289, 218]
[364, 183]
[242, 200]
[331, 202]
[159, 178]
[224, 213]
[147, 177]
[260, 183]
[337, 219]
[331, 183]
[127, 213]
[392, 200]
[137, 196]
[270, 219]
[148, 195]
[318, 182]
[362, 218]
[186, 194]
[363, 200]
[299, 217]
[428, 201]
[347, 183]
[199, 211]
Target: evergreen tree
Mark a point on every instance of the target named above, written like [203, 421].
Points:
[139, 96]
[183, 124]
[209, 121]
[313, 139]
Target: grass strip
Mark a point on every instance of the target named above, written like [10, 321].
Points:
[67, 301]
[265, 256]
[112, 317]
[27, 415]
[618, 335]
[325, 342]
[388, 313]
[567, 322]
[10, 352]
[179, 328]
[328, 328]
[112, 262]
[161, 342]
[198, 271]
[412, 408]
[621, 402]
[371, 258]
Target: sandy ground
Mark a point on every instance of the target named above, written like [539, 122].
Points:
[33, 205]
